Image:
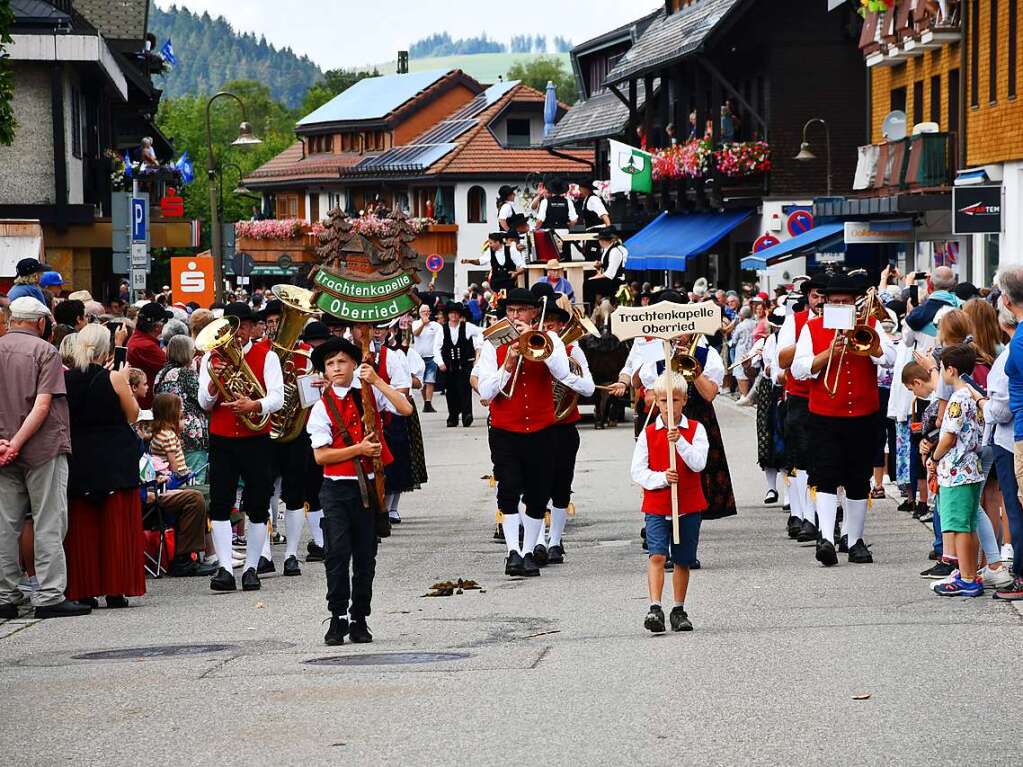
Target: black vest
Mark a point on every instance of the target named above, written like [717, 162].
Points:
[590, 218]
[605, 261]
[557, 213]
[500, 275]
[458, 357]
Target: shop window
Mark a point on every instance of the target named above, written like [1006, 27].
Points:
[476, 205]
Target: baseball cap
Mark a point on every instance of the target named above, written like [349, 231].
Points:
[28, 308]
[27, 266]
[51, 279]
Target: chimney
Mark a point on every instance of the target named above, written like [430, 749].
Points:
[402, 62]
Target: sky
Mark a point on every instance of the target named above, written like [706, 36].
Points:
[343, 33]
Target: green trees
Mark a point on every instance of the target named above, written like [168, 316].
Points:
[537, 72]
[7, 121]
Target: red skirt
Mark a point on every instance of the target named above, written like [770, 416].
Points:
[104, 546]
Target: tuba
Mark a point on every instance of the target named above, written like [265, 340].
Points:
[566, 398]
[287, 423]
[220, 338]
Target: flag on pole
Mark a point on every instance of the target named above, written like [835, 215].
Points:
[631, 169]
[167, 51]
[185, 167]
[127, 165]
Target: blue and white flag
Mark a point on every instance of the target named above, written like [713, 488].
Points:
[167, 51]
[127, 165]
[185, 167]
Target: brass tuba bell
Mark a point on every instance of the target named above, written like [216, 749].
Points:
[288, 422]
[220, 338]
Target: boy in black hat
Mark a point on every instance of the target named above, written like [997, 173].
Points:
[238, 451]
[456, 348]
[350, 505]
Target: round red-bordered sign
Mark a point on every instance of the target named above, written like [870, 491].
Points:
[799, 222]
[765, 241]
[434, 263]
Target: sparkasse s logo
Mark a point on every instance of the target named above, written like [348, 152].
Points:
[981, 209]
[193, 281]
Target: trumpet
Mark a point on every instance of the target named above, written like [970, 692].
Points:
[686, 363]
[532, 346]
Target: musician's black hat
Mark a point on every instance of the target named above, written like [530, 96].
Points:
[556, 185]
[506, 190]
[457, 306]
[496, 236]
[332, 346]
[516, 220]
[273, 307]
[511, 234]
[519, 296]
[670, 295]
[818, 280]
[544, 290]
[316, 331]
[844, 283]
[607, 233]
[241, 310]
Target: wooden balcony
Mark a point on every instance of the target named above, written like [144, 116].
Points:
[921, 163]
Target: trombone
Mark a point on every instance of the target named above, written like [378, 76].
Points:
[862, 340]
[533, 346]
[686, 362]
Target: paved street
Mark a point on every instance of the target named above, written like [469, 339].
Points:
[554, 670]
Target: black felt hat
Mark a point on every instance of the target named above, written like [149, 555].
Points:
[241, 310]
[844, 283]
[520, 296]
[669, 295]
[457, 306]
[316, 331]
[332, 346]
[542, 290]
[273, 307]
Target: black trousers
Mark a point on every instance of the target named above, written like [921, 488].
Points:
[843, 454]
[458, 393]
[885, 434]
[603, 286]
[300, 476]
[566, 447]
[245, 458]
[524, 470]
[350, 547]
[796, 433]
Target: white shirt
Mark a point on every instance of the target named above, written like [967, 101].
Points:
[643, 350]
[425, 341]
[416, 364]
[693, 453]
[803, 360]
[617, 255]
[595, 205]
[998, 419]
[541, 215]
[320, 429]
[472, 332]
[397, 368]
[506, 211]
[518, 260]
[583, 384]
[272, 377]
[714, 368]
[493, 377]
[769, 360]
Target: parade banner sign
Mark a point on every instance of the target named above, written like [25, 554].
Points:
[665, 320]
[356, 301]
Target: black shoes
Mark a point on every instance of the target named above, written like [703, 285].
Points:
[336, 632]
[186, 567]
[429, 408]
[771, 498]
[556, 555]
[807, 533]
[907, 505]
[223, 580]
[115, 602]
[499, 534]
[291, 566]
[265, 566]
[65, 609]
[940, 571]
[250, 581]
[695, 565]
[843, 544]
[795, 524]
[541, 555]
[679, 620]
[8, 612]
[859, 553]
[513, 565]
[826, 553]
[359, 632]
[314, 553]
[466, 420]
[452, 423]
[654, 620]
[921, 510]
[529, 566]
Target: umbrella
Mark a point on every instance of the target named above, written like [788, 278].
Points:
[550, 108]
[439, 211]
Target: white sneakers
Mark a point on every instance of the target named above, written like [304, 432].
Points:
[998, 579]
[1007, 552]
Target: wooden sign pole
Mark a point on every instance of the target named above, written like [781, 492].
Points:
[672, 450]
[369, 418]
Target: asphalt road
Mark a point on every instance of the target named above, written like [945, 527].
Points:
[555, 670]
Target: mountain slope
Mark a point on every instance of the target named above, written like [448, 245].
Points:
[210, 52]
[485, 67]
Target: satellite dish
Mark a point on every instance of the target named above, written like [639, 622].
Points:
[894, 126]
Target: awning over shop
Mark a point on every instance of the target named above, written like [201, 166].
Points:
[817, 238]
[670, 239]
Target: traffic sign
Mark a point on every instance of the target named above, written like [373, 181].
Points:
[284, 262]
[242, 264]
[138, 279]
[799, 222]
[139, 256]
[139, 219]
[434, 263]
[765, 241]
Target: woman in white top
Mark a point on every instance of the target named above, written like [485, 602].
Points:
[505, 205]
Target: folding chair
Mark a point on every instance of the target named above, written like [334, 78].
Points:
[153, 520]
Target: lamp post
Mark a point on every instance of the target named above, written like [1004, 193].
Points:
[805, 155]
[245, 138]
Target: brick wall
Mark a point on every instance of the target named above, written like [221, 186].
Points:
[995, 129]
[26, 167]
[883, 80]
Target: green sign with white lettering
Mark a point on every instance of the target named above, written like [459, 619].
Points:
[372, 301]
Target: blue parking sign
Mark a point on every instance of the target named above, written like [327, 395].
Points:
[139, 219]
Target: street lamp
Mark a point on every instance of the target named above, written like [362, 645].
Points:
[245, 138]
[805, 155]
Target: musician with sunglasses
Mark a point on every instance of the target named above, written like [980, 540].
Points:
[521, 417]
[843, 418]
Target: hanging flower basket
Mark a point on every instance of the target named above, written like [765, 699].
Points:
[743, 158]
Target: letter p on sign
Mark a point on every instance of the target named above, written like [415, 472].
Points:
[192, 280]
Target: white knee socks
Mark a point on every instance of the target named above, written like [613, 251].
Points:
[559, 518]
[854, 519]
[266, 541]
[313, 518]
[510, 525]
[534, 529]
[797, 498]
[222, 536]
[827, 512]
[771, 477]
[293, 521]
[255, 536]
